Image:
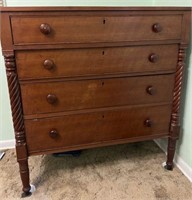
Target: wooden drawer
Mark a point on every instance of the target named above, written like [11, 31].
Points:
[74, 95]
[88, 29]
[83, 129]
[95, 61]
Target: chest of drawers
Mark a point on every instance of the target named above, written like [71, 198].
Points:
[84, 77]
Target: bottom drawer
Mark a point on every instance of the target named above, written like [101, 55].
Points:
[84, 129]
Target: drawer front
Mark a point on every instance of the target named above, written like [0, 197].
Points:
[82, 129]
[95, 61]
[86, 29]
[75, 95]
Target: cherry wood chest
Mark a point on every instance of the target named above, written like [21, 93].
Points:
[83, 77]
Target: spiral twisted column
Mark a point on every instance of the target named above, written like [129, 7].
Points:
[175, 121]
[18, 121]
[15, 100]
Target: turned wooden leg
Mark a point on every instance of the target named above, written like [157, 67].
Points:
[24, 173]
[170, 153]
[171, 147]
[22, 159]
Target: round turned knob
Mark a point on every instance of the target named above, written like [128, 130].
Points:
[48, 64]
[157, 28]
[51, 98]
[53, 133]
[150, 90]
[45, 28]
[153, 58]
[148, 123]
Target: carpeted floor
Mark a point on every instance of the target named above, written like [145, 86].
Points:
[121, 172]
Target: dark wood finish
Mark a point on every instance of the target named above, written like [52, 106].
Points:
[77, 130]
[151, 90]
[84, 111]
[94, 45]
[157, 28]
[74, 95]
[52, 99]
[45, 29]
[53, 134]
[95, 8]
[48, 64]
[175, 121]
[80, 29]
[84, 77]
[153, 58]
[95, 61]
[148, 123]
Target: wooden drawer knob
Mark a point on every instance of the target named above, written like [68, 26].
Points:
[48, 64]
[153, 58]
[45, 29]
[148, 123]
[150, 90]
[53, 133]
[157, 28]
[51, 98]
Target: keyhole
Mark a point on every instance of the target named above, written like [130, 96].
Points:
[104, 21]
[103, 116]
[102, 83]
[103, 52]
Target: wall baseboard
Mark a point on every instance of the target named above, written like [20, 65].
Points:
[179, 162]
[7, 144]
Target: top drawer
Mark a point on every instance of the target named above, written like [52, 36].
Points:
[87, 29]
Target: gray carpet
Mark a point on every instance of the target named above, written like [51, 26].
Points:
[121, 172]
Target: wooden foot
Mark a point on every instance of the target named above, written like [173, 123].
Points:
[168, 167]
[26, 194]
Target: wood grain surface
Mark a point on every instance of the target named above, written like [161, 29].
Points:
[95, 61]
[90, 29]
[96, 127]
[75, 95]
